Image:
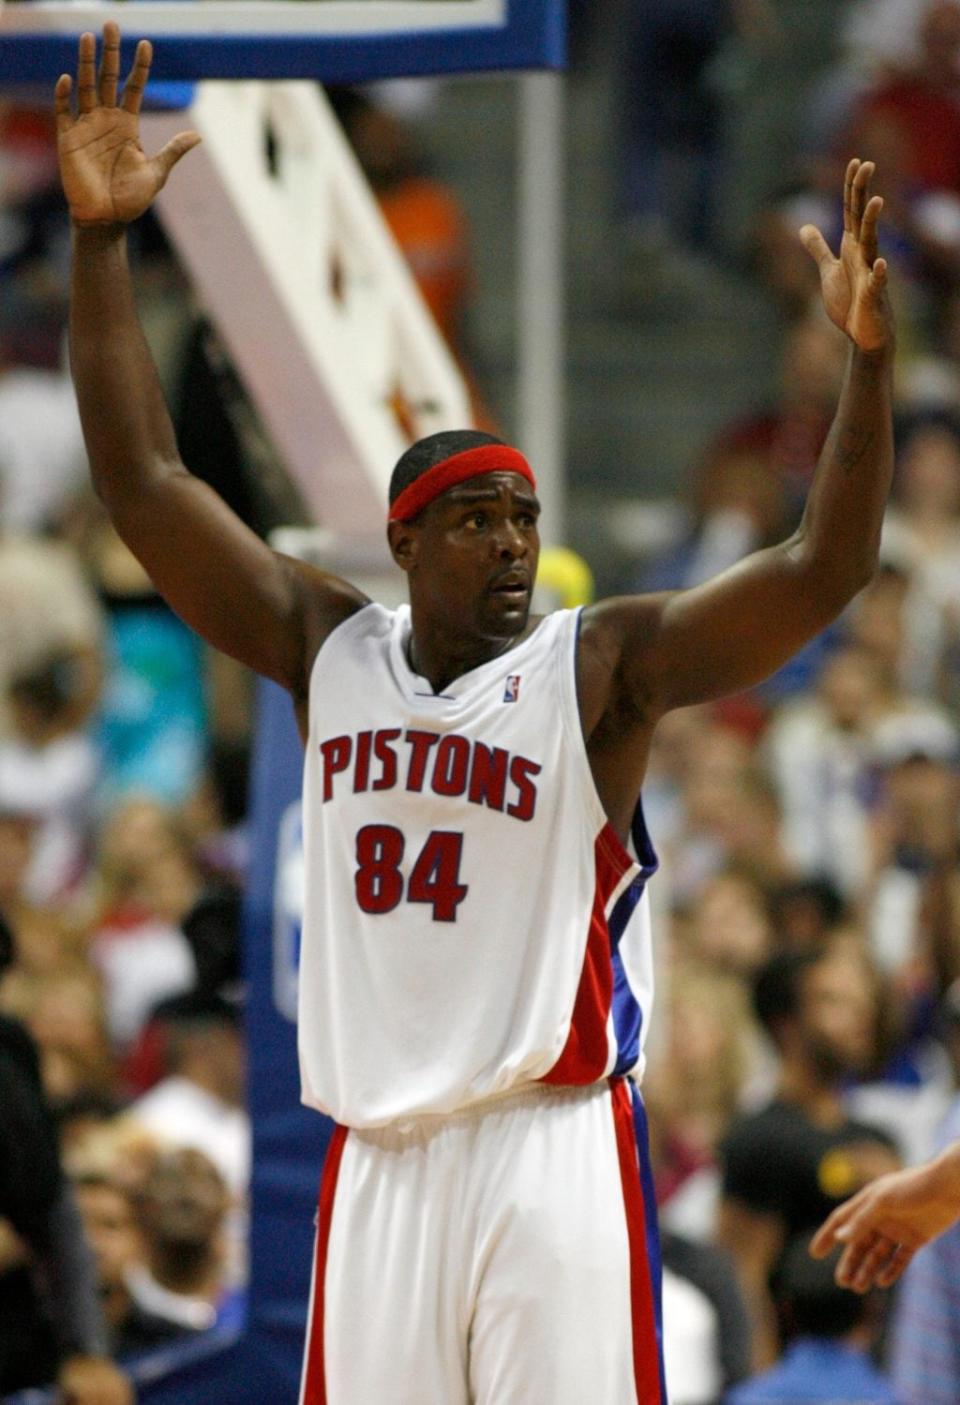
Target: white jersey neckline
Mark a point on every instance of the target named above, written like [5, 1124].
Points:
[416, 685]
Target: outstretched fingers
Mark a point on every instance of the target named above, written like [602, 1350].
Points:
[853, 165]
[110, 64]
[137, 81]
[168, 156]
[878, 1265]
[860, 1259]
[61, 101]
[816, 246]
[878, 275]
[895, 1265]
[860, 196]
[86, 73]
[868, 228]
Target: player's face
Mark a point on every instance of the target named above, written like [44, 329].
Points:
[472, 556]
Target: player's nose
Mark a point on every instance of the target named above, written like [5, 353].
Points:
[510, 541]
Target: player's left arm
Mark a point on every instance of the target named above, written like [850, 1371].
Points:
[693, 645]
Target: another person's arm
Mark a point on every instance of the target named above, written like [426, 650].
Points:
[264, 609]
[883, 1225]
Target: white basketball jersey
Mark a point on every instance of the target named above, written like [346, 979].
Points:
[471, 920]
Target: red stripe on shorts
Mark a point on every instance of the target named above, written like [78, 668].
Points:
[646, 1356]
[315, 1386]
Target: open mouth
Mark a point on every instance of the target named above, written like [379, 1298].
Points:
[511, 588]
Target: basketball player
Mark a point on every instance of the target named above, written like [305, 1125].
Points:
[885, 1223]
[475, 976]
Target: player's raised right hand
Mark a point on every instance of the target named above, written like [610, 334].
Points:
[107, 177]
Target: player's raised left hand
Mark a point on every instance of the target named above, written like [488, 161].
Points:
[854, 285]
[107, 177]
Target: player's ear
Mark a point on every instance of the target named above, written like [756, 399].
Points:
[404, 540]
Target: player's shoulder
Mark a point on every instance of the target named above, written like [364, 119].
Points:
[323, 604]
[360, 627]
[624, 619]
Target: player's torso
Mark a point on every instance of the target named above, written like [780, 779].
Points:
[460, 874]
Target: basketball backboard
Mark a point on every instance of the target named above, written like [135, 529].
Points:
[332, 40]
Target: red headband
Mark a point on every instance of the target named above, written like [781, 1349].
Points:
[488, 458]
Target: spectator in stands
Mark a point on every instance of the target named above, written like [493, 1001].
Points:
[715, 761]
[107, 1205]
[925, 1363]
[424, 216]
[200, 1101]
[786, 1165]
[729, 923]
[805, 913]
[707, 1053]
[789, 434]
[48, 611]
[882, 1227]
[42, 458]
[64, 1011]
[829, 1333]
[51, 1328]
[911, 122]
[41, 934]
[820, 756]
[149, 884]
[153, 719]
[215, 816]
[181, 1212]
[921, 535]
[738, 506]
[915, 845]
[706, 1333]
[49, 764]
[915, 117]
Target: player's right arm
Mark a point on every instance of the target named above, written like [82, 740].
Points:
[265, 609]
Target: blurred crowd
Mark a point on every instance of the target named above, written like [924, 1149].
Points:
[808, 1030]
[808, 1034]
[123, 773]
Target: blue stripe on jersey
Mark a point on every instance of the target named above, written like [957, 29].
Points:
[650, 1214]
[627, 1020]
[643, 844]
[627, 1014]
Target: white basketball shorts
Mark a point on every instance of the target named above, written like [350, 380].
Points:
[504, 1255]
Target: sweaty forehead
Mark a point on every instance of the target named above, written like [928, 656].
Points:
[490, 487]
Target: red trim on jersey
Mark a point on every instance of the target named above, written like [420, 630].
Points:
[315, 1384]
[587, 1050]
[646, 1354]
[470, 463]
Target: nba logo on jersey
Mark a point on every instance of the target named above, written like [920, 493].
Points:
[288, 911]
[512, 690]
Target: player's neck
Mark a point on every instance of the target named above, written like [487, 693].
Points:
[441, 659]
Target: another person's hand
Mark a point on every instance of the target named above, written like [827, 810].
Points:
[883, 1225]
[93, 1380]
[107, 177]
[853, 286]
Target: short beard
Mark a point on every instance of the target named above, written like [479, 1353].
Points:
[830, 1066]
